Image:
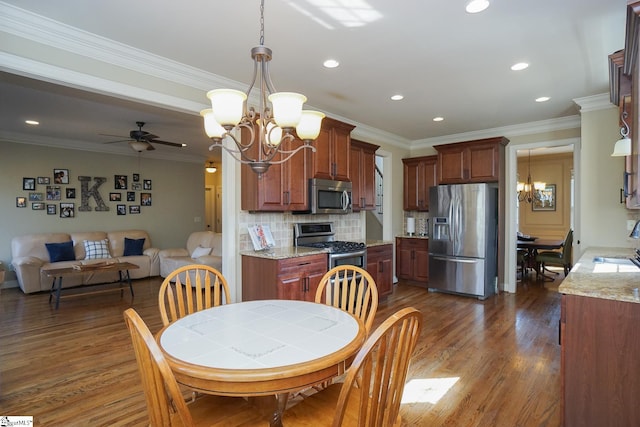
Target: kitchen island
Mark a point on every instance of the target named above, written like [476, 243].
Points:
[600, 338]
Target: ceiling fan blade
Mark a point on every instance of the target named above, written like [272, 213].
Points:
[119, 140]
[115, 136]
[172, 144]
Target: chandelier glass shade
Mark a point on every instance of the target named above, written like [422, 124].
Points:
[530, 190]
[277, 118]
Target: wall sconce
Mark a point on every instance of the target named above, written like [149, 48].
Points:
[211, 168]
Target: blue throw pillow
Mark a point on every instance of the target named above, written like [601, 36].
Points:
[61, 251]
[133, 246]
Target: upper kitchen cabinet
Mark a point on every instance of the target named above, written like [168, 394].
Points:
[362, 170]
[419, 174]
[283, 187]
[331, 159]
[471, 161]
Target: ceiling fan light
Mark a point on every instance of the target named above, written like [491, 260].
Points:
[622, 147]
[287, 108]
[211, 168]
[139, 146]
[308, 127]
[227, 105]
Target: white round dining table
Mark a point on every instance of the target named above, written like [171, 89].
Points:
[261, 348]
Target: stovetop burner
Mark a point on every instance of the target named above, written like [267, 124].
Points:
[338, 246]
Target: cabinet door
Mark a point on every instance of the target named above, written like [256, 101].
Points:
[404, 260]
[355, 170]
[410, 181]
[341, 146]
[483, 163]
[313, 281]
[295, 179]
[322, 164]
[380, 266]
[427, 178]
[421, 265]
[291, 288]
[452, 166]
[368, 179]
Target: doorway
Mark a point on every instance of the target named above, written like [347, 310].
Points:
[511, 226]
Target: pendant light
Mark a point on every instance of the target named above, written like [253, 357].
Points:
[623, 145]
[211, 168]
[529, 191]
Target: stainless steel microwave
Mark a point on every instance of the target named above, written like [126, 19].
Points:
[329, 197]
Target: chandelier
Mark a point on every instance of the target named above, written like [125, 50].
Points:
[529, 191]
[277, 117]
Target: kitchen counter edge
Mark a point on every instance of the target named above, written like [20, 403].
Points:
[591, 279]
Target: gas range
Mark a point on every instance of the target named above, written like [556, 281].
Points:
[322, 235]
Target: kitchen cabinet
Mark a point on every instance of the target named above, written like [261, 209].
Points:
[283, 187]
[599, 364]
[295, 278]
[471, 161]
[412, 259]
[380, 267]
[331, 159]
[419, 173]
[362, 170]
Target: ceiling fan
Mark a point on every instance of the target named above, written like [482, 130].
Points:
[140, 140]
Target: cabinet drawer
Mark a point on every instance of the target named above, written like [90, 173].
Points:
[418, 244]
[310, 262]
[379, 251]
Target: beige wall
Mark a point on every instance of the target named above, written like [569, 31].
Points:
[177, 195]
[553, 169]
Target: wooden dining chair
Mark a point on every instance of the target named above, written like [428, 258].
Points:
[372, 390]
[165, 403]
[560, 258]
[196, 287]
[351, 289]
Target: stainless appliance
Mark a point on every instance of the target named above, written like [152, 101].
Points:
[329, 197]
[463, 239]
[322, 235]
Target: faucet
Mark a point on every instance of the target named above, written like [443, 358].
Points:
[635, 233]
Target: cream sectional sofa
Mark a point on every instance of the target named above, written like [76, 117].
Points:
[30, 256]
[172, 259]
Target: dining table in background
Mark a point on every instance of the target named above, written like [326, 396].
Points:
[261, 348]
[533, 245]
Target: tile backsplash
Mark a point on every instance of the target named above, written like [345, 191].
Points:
[420, 222]
[347, 227]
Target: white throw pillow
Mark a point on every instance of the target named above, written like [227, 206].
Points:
[96, 249]
[200, 251]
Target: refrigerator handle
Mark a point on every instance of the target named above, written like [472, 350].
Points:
[465, 261]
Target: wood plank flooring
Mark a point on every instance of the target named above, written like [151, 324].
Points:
[75, 366]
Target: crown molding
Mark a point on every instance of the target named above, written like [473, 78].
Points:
[46, 31]
[570, 122]
[594, 102]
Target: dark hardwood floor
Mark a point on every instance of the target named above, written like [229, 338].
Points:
[499, 359]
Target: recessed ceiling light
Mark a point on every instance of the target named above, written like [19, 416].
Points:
[397, 97]
[32, 122]
[519, 66]
[543, 99]
[475, 6]
[438, 119]
[330, 63]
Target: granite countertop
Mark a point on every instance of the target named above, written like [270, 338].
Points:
[284, 253]
[294, 252]
[603, 280]
[415, 236]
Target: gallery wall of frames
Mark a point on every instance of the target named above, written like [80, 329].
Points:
[62, 195]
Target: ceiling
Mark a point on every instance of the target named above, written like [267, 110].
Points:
[444, 61]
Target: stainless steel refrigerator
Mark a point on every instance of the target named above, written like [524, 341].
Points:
[463, 240]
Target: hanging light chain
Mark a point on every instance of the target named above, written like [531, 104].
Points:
[262, 23]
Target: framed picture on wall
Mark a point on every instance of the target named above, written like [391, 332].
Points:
[71, 193]
[546, 199]
[39, 206]
[52, 209]
[145, 199]
[121, 209]
[44, 180]
[67, 210]
[61, 176]
[21, 202]
[28, 183]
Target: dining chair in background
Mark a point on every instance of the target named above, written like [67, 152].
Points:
[372, 390]
[165, 403]
[560, 258]
[351, 289]
[196, 288]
